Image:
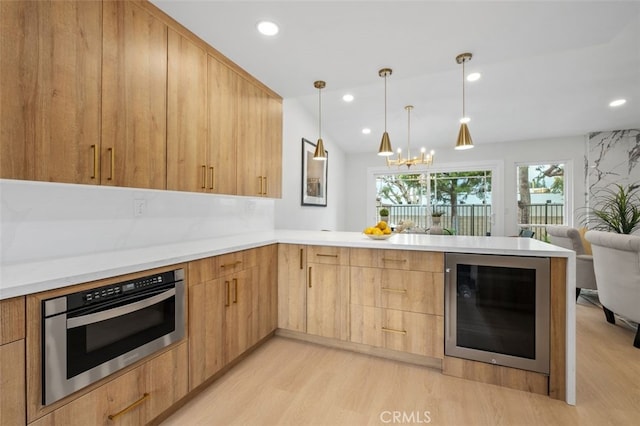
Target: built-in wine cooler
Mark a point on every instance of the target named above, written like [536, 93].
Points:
[497, 310]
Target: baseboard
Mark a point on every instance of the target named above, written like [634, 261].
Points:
[421, 360]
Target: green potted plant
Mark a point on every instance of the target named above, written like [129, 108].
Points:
[384, 214]
[615, 209]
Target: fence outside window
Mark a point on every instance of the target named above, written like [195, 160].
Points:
[475, 219]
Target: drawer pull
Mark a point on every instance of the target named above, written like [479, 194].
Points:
[129, 408]
[301, 254]
[394, 331]
[231, 265]
[386, 259]
[227, 295]
[395, 290]
[204, 176]
[326, 255]
[213, 177]
[309, 277]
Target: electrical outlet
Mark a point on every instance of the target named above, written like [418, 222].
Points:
[139, 207]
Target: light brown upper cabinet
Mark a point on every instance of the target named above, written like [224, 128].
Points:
[188, 167]
[259, 142]
[223, 127]
[134, 97]
[50, 82]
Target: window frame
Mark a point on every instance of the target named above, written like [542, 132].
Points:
[497, 185]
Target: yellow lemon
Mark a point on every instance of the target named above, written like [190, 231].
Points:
[386, 231]
[377, 231]
[382, 225]
[368, 230]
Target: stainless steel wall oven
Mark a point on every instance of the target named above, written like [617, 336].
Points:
[90, 334]
[497, 310]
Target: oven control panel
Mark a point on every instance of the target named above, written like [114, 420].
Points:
[113, 291]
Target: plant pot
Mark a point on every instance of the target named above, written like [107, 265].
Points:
[384, 218]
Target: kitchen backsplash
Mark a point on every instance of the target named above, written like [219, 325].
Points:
[42, 220]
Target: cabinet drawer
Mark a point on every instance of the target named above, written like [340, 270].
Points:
[412, 291]
[134, 398]
[410, 332]
[219, 266]
[328, 255]
[231, 263]
[409, 260]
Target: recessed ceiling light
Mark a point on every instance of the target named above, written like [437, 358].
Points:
[465, 120]
[268, 28]
[366, 131]
[617, 102]
[474, 76]
[348, 97]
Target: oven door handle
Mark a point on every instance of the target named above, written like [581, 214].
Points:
[119, 311]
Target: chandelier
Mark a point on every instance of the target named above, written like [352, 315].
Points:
[423, 159]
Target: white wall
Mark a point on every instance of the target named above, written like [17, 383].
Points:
[289, 214]
[567, 149]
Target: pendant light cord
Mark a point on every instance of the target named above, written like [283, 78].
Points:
[385, 103]
[463, 110]
[320, 113]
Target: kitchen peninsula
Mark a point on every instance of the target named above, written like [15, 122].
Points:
[22, 279]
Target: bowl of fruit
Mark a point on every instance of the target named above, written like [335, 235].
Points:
[381, 231]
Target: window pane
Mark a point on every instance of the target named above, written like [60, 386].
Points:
[540, 197]
[463, 198]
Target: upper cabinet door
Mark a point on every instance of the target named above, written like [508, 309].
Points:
[272, 147]
[50, 84]
[188, 167]
[134, 97]
[223, 127]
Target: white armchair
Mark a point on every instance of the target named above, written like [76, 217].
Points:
[616, 260]
[569, 238]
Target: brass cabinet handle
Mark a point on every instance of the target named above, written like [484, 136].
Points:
[129, 408]
[395, 290]
[394, 331]
[386, 259]
[266, 186]
[211, 169]
[231, 265]
[301, 253]
[235, 290]
[326, 255]
[227, 294]
[112, 155]
[204, 176]
[309, 277]
[260, 185]
[95, 161]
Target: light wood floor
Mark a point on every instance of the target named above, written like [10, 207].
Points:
[287, 382]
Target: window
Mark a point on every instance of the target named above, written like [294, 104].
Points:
[541, 197]
[462, 196]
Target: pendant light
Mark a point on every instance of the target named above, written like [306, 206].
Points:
[385, 143]
[424, 158]
[319, 153]
[464, 137]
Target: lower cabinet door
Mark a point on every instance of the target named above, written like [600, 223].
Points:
[134, 398]
[12, 383]
[403, 331]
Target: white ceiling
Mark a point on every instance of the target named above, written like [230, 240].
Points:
[548, 68]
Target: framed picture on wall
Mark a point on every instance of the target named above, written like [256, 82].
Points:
[314, 176]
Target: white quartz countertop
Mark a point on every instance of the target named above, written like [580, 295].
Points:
[31, 277]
